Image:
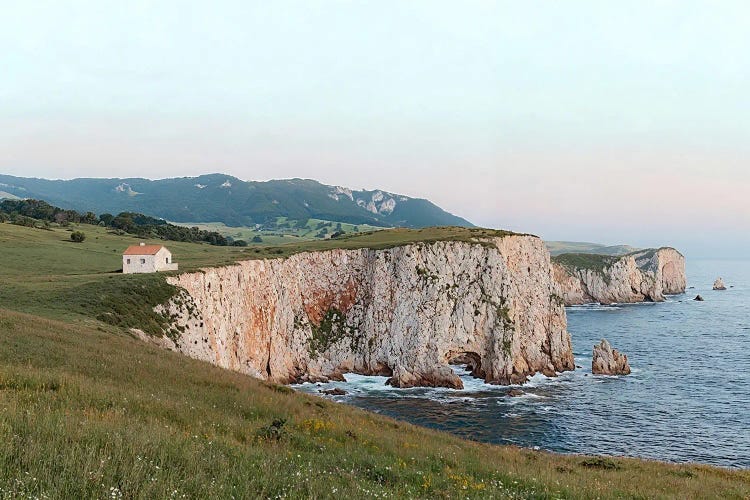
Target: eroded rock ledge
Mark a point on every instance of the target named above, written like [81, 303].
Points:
[408, 312]
[646, 275]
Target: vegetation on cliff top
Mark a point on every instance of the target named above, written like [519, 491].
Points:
[599, 262]
[86, 410]
[594, 262]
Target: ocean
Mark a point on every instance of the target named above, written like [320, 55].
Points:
[687, 400]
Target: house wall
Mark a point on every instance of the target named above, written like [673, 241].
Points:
[161, 261]
[138, 264]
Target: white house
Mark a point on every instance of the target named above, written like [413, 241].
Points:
[147, 259]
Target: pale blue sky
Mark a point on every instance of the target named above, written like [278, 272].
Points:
[606, 121]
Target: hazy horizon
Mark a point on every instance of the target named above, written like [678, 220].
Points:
[584, 121]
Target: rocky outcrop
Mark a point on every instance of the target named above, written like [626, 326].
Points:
[333, 392]
[719, 284]
[608, 361]
[646, 275]
[408, 312]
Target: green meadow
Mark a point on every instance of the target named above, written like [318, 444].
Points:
[283, 230]
[89, 411]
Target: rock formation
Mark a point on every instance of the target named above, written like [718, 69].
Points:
[646, 275]
[719, 284]
[333, 392]
[408, 312]
[698, 298]
[608, 361]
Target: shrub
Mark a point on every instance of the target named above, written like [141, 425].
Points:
[257, 239]
[274, 431]
[78, 236]
[600, 463]
[22, 220]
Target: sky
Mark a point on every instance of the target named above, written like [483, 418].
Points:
[614, 122]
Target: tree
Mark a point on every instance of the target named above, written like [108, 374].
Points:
[90, 218]
[257, 239]
[106, 219]
[78, 236]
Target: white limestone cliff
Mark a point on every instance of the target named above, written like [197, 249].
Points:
[408, 312]
[646, 275]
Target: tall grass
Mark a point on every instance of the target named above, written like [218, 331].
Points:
[91, 412]
[86, 410]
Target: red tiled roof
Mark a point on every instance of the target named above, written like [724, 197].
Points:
[142, 249]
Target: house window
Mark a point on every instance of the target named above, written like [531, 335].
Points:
[128, 261]
[143, 261]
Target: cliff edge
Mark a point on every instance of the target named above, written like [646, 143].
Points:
[408, 312]
[645, 275]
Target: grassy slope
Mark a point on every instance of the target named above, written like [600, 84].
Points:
[84, 408]
[44, 273]
[278, 236]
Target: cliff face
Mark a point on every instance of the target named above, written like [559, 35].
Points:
[647, 275]
[407, 312]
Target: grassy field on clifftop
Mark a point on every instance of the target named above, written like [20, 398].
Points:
[86, 410]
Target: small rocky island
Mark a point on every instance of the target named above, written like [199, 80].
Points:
[608, 361]
[719, 284]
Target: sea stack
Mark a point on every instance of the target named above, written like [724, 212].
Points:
[719, 284]
[608, 361]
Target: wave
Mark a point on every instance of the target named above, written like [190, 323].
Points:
[592, 307]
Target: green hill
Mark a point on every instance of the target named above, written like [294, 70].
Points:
[234, 202]
[561, 247]
[88, 411]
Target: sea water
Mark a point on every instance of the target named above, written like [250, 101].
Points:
[687, 399]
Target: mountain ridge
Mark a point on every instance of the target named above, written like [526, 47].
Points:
[224, 198]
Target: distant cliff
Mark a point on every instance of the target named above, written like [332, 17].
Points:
[646, 275]
[408, 312]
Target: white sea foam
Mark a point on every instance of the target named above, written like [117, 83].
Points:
[592, 307]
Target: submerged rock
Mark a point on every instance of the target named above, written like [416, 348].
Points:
[515, 393]
[719, 284]
[608, 361]
[698, 298]
[333, 392]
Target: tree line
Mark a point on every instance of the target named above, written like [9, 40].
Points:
[28, 212]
